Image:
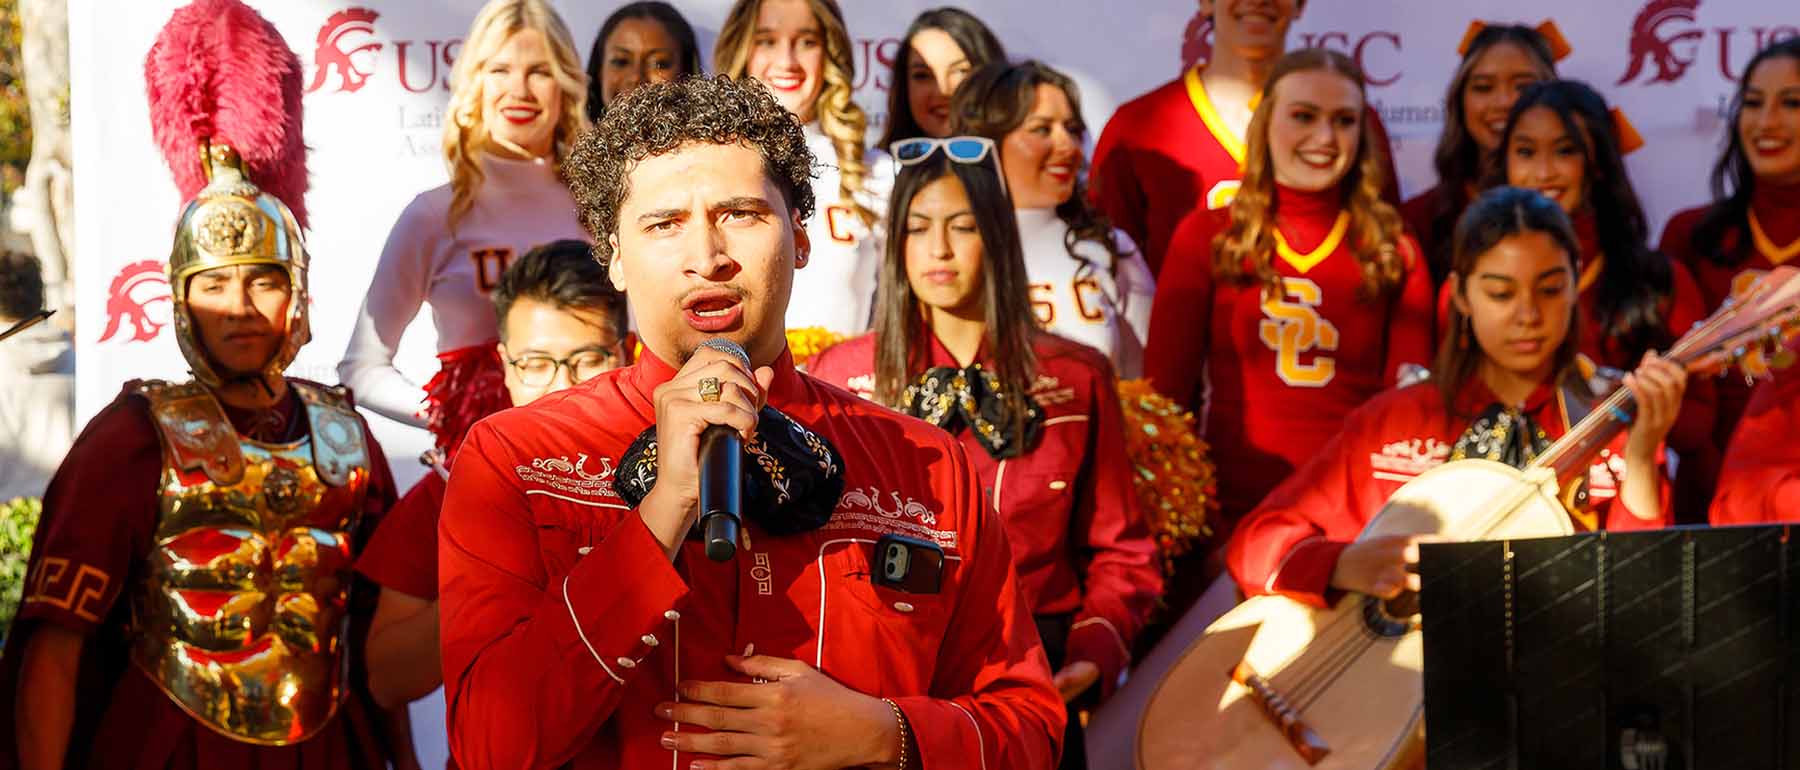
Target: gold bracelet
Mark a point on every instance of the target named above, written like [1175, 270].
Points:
[900, 719]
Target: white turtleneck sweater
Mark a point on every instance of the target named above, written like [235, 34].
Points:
[519, 205]
[836, 289]
[1081, 298]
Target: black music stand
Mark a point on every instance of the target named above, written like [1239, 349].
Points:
[1638, 651]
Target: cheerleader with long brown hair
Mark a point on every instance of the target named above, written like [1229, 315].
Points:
[1284, 312]
[1753, 223]
[801, 50]
[955, 343]
[1562, 140]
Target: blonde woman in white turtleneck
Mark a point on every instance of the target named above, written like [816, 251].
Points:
[800, 49]
[516, 104]
[1089, 282]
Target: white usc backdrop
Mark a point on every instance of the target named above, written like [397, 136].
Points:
[377, 73]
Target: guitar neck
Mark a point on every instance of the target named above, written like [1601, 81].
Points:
[1570, 455]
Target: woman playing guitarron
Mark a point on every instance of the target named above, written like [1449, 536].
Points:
[1507, 381]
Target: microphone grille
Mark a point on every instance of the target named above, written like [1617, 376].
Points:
[729, 348]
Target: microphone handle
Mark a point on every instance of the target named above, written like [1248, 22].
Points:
[721, 491]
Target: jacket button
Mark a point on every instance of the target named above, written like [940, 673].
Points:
[903, 606]
[1059, 485]
[672, 615]
[627, 663]
[584, 550]
[649, 640]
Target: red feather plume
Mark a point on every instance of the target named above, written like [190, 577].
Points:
[219, 71]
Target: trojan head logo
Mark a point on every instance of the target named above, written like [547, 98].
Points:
[1196, 42]
[128, 299]
[337, 51]
[1653, 41]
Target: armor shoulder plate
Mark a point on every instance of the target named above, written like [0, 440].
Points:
[195, 433]
[339, 444]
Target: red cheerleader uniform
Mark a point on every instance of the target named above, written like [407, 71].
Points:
[1290, 544]
[1167, 153]
[1275, 377]
[1777, 213]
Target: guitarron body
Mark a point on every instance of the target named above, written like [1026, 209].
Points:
[1351, 677]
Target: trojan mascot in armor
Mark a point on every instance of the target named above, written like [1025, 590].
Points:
[189, 599]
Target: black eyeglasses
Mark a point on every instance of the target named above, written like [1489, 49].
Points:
[971, 150]
[539, 371]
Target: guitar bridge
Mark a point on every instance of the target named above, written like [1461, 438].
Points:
[1286, 718]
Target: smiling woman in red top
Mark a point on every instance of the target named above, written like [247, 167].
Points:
[1502, 388]
[1753, 223]
[1300, 302]
[1498, 61]
[956, 343]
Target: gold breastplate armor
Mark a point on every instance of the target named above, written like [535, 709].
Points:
[242, 618]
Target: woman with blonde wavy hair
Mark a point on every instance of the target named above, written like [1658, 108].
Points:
[800, 50]
[516, 103]
[1303, 298]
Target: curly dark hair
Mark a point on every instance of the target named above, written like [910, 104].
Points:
[21, 285]
[655, 118]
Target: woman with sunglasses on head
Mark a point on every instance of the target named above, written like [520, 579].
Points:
[955, 343]
[1088, 281]
[1283, 313]
[1498, 61]
[801, 50]
[1753, 223]
[940, 49]
[1502, 389]
[1562, 140]
[647, 41]
[516, 104]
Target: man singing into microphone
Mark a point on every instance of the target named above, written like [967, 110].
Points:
[870, 615]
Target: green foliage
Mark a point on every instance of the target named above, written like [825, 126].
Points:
[18, 520]
[15, 109]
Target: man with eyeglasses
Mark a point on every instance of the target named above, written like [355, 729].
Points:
[561, 323]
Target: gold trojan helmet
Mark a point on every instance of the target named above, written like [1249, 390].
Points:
[233, 222]
[221, 80]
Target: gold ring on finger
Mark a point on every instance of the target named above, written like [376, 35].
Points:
[710, 389]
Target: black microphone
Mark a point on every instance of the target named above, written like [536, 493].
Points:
[721, 475]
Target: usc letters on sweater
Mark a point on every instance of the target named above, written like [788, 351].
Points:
[564, 624]
[1276, 375]
[1290, 544]
[1067, 502]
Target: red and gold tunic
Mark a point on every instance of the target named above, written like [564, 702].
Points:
[1167, 153]
[1078, 537]
[1290, 544]
[564, 623]
[1275, 376]
[101, 518]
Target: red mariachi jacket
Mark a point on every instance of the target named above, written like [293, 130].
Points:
[1290, 544]
[1167, 153]
[1759, 482]
[564, 624]
[1068, 502]
[1274, 377]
